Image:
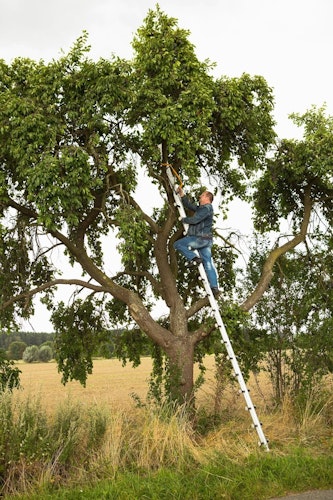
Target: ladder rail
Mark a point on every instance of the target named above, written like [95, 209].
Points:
[220, 324]
[234, 362]
[177, 198]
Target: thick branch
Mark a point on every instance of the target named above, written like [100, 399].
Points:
[99, 205]
[155, 228]
[267, 272]
[51, 284]
[22, 209]
[227, 242]
[197, 306]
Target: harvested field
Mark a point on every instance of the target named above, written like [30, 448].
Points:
[113, 384]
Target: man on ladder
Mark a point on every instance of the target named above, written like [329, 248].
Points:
[199, 236]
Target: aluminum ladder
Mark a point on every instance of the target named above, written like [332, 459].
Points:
[219, 323]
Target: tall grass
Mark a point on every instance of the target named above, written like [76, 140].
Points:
[79, 444]
[35, 448]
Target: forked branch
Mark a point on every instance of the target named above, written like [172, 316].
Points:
[267, 272]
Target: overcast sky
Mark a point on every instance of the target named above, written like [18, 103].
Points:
[288, 42]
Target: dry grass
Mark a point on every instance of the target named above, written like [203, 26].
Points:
[96, 431]
[111, 385]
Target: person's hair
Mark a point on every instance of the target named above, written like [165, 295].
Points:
[210, 196]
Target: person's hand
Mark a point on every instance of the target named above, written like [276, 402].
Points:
[180, 191]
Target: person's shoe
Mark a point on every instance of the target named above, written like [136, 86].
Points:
[194, 262]
[216, 292]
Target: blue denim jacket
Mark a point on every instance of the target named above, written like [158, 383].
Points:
[201, 223]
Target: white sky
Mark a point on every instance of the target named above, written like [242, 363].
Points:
[288, 42]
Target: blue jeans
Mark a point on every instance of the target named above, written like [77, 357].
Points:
[186, 246]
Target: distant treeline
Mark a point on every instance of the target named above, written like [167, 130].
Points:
[29, 338]
[114, 344]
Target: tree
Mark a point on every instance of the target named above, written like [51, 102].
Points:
[16, 349]
[31, 354]
[75, 135]
[45, 354]
[292, 321]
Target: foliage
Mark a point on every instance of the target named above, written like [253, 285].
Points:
[297, 166]
[173, 98]
[31, 354]
[45, 354]
[20, 350]
[76, 345]
[29, 338]
[292, 323]
[16, 349]
[9, 374]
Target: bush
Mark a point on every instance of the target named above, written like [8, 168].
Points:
[45, 354]
[78, 445]
[34, 446]
[9, 375]
[16, 349]
[31, 354]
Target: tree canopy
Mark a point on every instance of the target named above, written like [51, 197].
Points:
[77, 136]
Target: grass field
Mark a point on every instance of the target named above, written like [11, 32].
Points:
[69, 442]
[113, 384]
[110, 383]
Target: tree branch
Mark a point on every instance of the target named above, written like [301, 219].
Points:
[197, 306]
[226, 241]
[50, 284]
[267, 272]
[144, 274]
[112, 183]
[22, 209]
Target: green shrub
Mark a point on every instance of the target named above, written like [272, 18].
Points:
[35, 447]
[31, 354]
[9, 374]
[45, 354]
[23, 433]
[16, 349]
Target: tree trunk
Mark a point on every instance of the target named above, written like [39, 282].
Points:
[181, 358]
